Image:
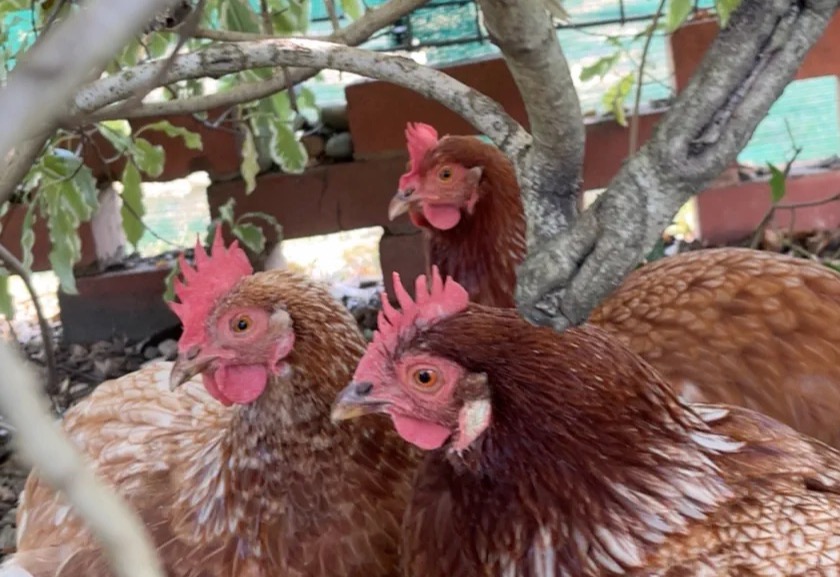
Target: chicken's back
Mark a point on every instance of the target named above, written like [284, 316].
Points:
[738, 326]
[133, 431]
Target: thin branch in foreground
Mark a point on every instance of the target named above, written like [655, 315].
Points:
[353, 34]
[54, 458]
[16, 267]
[634, 121]
[481, 111]
[52, 70]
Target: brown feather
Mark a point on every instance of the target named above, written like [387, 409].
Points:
[592, 466]
[269, 489]
[728, 325]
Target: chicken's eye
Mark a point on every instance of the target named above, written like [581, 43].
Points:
[425, 378]
[445, 173]
[241, 324]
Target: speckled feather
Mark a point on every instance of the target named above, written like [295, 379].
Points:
[591, 466]
[269, 489]
[741, 327]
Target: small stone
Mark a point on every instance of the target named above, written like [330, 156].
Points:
[150, 353]
[335, 117]
[109, 367]
[77, 352]
[169, 349]
[339, 146]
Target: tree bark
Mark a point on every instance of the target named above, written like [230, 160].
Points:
[743, 73]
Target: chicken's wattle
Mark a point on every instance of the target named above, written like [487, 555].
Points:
[442, 216]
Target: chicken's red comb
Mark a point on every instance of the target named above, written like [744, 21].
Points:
[430, 304]
[420, 138]
[212, 277]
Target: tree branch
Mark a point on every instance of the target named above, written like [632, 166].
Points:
[17, 164]
[16, 267]
[52, 70]
[353, 34]
[56, 460]
[743, 73]
[551, 173]
[483, 112]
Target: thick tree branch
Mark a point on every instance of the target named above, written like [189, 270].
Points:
[17, 164]
[52, 70]
[743, 73]
[523, 31]
[483, 112]
[353, 34]
[58, 463]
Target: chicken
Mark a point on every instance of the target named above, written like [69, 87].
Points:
[566, 454]
[243, 475]
[729, 325]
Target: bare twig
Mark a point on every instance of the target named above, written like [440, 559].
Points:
[768, 216]
[634, 122]
[56, 67]
[550, 174]
[353, 34]
[265, 13]
[55, 459]
[483, 112]
[16, 267]
[333, 14]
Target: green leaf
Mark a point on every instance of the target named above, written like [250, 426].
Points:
[600, 67]
[237, 15]
[7, 306]
[249, 167]
[778, 184]
[158, 44]
[148, 157]
[117, 132]
[169, 283]
[226, 211]
[27, 237]
[725, 8]
[293, 18]
[678, 11]
[250, 235]
[616, 95]
[132, 210]
[192, 140]
[352, 8]
[268, 219]
[14, 5]
[286, 150]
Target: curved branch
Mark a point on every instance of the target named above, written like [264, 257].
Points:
[16, 267]
[353, 34]
[62, 60]
[124, 539]
[523, 31]
[483, 112]
[742, 74]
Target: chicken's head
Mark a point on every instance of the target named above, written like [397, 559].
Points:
[436, 189]
[430, 399]
[235, 345]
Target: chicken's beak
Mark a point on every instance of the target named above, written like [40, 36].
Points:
[355, 401]
[187, 365]
[400, 203]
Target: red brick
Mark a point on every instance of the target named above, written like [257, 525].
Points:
[324, 199]
[404, 253]
[219, 156]
[731, 213]
[691, 41]
[128, 303]
[378, 111]
[11, 227]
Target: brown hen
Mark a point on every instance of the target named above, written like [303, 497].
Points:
[245, 475]
[739, 326]
[567, 455]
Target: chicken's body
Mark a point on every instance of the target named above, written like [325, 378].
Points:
[741, 327]
[567, 454]
[268, 488]
[730, 325]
